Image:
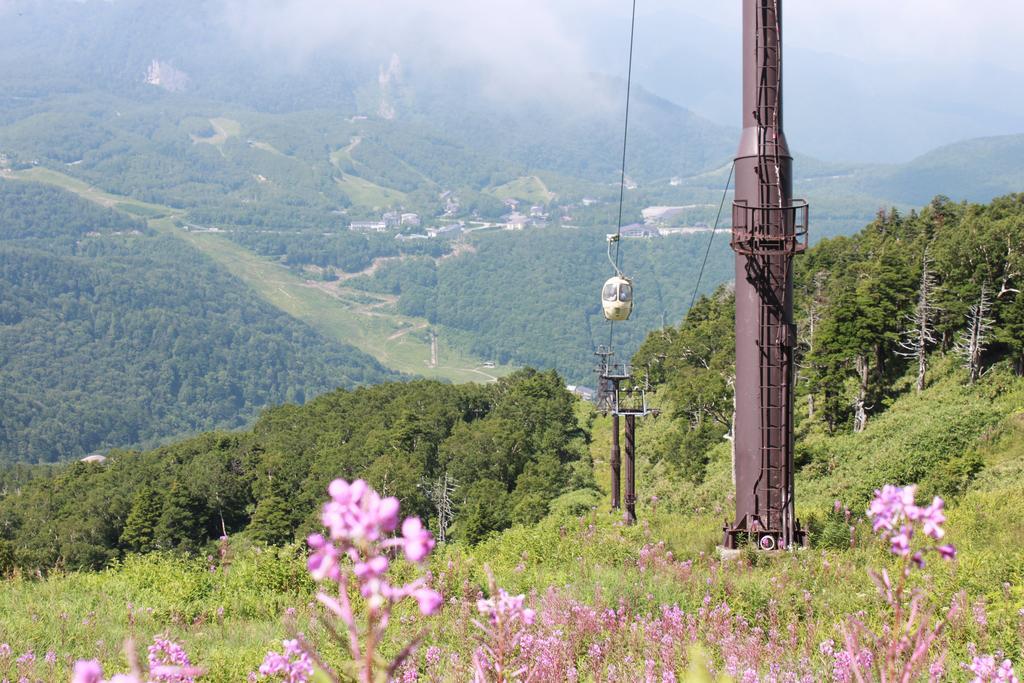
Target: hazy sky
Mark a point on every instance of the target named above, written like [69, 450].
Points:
[929, 31]
[929, 61]
[506, 31]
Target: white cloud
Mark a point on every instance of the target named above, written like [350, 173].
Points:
[513, 41]
[536, 41]
[927, 31]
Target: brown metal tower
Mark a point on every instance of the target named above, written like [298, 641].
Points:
[769, 229]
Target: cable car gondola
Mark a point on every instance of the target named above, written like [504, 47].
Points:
[617, 293]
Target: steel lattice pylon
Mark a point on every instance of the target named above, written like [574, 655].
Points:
[619, 396]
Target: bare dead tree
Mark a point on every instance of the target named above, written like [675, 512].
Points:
[806, 332]
[1011, 269]
[860, 407]
[975, 338]
[440, 492]
[920, 333]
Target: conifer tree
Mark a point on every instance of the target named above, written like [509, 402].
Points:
[182, 520]
[139, 534]
[271, 522]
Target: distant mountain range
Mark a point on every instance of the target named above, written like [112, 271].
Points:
[158, 102]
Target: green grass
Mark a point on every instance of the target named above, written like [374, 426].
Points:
[341, 316]
[939, 439]
[223, 128]
[364, 194]
[525, 188]
[141, 211]
[266, 147]
[229, 618]
[361, 192]
[94, 194]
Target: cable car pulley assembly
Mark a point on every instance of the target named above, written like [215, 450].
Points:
[617, 293]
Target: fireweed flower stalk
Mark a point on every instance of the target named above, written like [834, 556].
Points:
[986, 669]
[168, 663]
[903, 651]
[363, 528]
[498, 657]
[291, 666]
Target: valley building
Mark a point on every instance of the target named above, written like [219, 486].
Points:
[639, 231]
[516, 221]
[367, 226]
[449, 230]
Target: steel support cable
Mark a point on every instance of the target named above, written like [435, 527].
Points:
[711, 240]
[622, 175]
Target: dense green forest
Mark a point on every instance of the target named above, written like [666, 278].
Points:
[512, 478]
[481, 457]
[345, 251]
[112, 334]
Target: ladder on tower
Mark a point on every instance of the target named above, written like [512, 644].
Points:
[774, 229]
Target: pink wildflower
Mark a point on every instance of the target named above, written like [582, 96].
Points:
[893, 509]
[357, 512]
[372, 568]
[361, 527]
[292, 666]
[901, 541]
[933, 518]
[506, 608]
[429, 601]
[87, 671]
[169, 662]
[418, 541]
[985, 670]
[323, 563]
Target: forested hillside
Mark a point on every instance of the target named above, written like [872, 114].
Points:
[481, 457]
[112, 334]
[877, 313]
[534, 298]
[344, 251]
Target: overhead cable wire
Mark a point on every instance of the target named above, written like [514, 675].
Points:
[704, 263]
[622, 175]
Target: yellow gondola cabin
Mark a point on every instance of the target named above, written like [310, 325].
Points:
[617, 298]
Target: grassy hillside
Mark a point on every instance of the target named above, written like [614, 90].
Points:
[579, 563]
